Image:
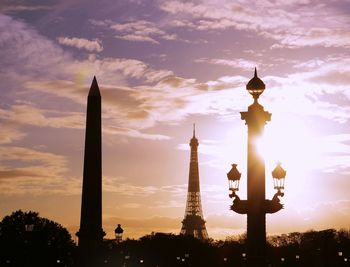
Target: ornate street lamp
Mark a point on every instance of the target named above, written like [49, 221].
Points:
[118, 234]
[278, 175]
[256, 206]
[233, 176]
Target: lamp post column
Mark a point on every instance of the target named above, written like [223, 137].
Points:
[255, 119]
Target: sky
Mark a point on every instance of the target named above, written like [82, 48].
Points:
[162, 66]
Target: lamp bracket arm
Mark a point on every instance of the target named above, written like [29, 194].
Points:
[239, 206]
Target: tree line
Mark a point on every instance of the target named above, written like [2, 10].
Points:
[26, 239]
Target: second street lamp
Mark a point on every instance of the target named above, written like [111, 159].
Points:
[278, 175]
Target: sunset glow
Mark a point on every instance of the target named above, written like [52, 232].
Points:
[162, 66]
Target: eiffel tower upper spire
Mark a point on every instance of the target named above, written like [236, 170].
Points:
[194, 141]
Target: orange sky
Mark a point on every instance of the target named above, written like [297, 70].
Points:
[161, 66]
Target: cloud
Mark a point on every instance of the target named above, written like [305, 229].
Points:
[9, 133]
[332, 71]
[24, 114]
[29, 55]
[214, 16]
[311, 37]
[114, 70]
[116, 185]
[123, 113]
[161, 97]
[29, 171]
[137, 38]
[174, 98]
[11, 8]
[144, 106]
[268, 19]
[37, 65]
[25, 170]
[135, 133]
[81, 43]
[238, 63]
[54, 163]
[307, 89]
[138, 31]
[167, 98]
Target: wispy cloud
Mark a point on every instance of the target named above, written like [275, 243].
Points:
[25, 170]
[24, 114]
[238, 63]
[81, 43]
[43, 67]
[117, 185]
[138, 31]
[30, 54]
[9, 133]
[10, 8]
[123, 113]
[167, 98]
[267, 19]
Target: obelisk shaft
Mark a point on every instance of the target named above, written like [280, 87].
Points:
[90, 233]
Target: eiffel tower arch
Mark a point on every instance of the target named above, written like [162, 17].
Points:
[193, 223]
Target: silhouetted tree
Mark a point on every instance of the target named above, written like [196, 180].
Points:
[29, 240]
[309, 249]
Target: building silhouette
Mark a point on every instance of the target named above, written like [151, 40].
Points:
[193, 223]
[91, 233]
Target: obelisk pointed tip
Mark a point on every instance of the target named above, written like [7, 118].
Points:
[94, 89]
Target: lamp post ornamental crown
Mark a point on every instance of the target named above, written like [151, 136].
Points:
[255, 86]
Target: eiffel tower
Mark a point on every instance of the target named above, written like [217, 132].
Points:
[193, 223]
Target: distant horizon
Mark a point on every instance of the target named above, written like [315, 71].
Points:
[240, 232]
[162, 66]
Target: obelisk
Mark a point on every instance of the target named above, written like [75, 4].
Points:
[91, 233]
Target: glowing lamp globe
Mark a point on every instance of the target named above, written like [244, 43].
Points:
[278, 175]
[233, 177]
[255, 86]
